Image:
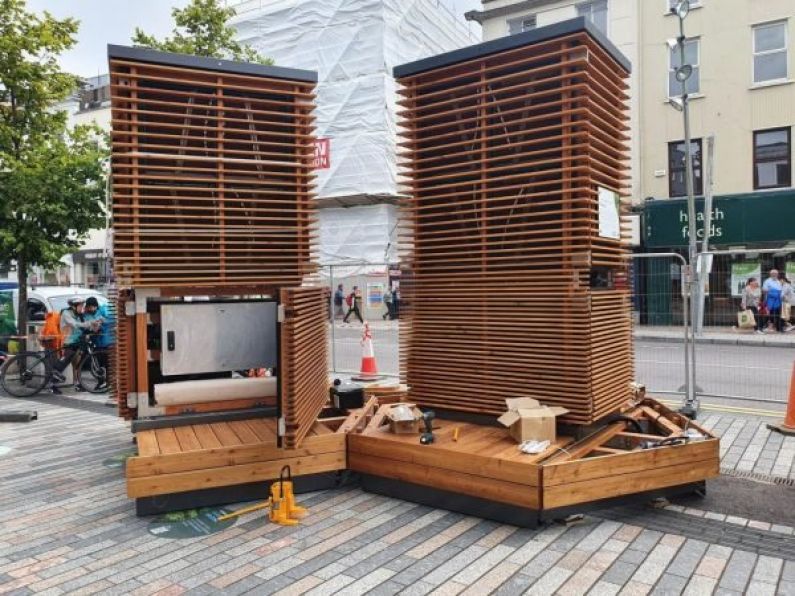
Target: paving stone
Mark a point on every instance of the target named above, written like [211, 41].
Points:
[549, 582]
[620, 572]
[516, 584]
[738, 571]
[687, 558]
[669, 585]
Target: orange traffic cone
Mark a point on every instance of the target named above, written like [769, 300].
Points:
[787, 427]
[369, 369]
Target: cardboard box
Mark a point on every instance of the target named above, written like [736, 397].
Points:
[528, 420]
[404, 419]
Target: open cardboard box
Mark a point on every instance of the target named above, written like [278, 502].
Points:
[528, 420]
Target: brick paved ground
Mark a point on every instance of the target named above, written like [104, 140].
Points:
[67, 527]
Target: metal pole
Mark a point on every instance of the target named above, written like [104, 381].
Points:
[705, 261]
[690, 407]
[333, 320]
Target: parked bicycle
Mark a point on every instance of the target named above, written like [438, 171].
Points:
[27, 373]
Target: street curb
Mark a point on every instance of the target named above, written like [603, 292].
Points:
[760, 342]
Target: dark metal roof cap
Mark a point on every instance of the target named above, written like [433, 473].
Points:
[514, 41]
[205, 63]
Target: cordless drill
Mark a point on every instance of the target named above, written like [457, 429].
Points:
[427, 437]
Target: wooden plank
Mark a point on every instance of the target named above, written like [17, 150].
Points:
[392, 453]
[225, 434]
[458, 482]
[627, 463]
[225, 456]
[167, 441]
[616, 485]
[187, 439]
[163, 484]
[147, 443]
[206, 436]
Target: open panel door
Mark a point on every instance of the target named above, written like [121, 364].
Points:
[303, 363]
[122, 356]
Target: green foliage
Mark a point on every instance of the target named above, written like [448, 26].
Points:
[201, 30]
[52, 183]
[52, 195]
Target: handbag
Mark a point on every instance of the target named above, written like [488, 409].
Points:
[746, 319]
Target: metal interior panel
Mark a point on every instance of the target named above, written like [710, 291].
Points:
[203, 337]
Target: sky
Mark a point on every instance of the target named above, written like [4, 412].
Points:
[114, 21]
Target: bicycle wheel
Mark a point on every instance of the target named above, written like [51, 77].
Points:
[92, 374]
[25, 374]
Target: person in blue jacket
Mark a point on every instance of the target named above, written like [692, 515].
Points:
[104, 336]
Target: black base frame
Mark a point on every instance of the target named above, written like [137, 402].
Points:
[225, 495]
[503, 512]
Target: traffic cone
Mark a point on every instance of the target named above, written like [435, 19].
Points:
[369, 369]
[787, 427]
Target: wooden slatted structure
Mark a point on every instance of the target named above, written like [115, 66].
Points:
[122, 356]
[212, 171]
[304, 365]
[512, 286]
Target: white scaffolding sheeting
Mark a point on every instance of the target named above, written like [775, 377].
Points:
[363, 234]
[353, 45]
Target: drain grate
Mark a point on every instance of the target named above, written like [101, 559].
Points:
[757, 477]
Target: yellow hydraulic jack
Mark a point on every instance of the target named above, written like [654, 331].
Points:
[281, 503]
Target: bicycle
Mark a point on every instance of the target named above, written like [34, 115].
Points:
[27, 373]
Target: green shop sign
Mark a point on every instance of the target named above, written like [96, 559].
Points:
[736, 220]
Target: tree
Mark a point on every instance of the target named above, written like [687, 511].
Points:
[52, 183]
[201, 30]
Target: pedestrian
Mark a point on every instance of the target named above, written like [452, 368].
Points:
[339, 298]
[72, 328]
[104, 335]
[750, 301]
[354, 301]
[388, 303]
[772, 289]
[787, 303]
[396, 303]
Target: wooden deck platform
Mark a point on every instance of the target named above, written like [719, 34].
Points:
[224, 454]
[486, 464]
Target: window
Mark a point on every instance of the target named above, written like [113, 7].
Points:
[772, 158]
[676, 168]
[596, 12]
[770, 52]
[692, 56]
[521, 24]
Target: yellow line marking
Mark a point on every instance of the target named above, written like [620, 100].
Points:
[731, 409]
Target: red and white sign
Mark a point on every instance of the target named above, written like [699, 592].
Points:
[322, 154]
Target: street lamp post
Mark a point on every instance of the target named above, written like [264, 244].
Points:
[682, 74]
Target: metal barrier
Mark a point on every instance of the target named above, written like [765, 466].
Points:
[731, 363]
[373, 281]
